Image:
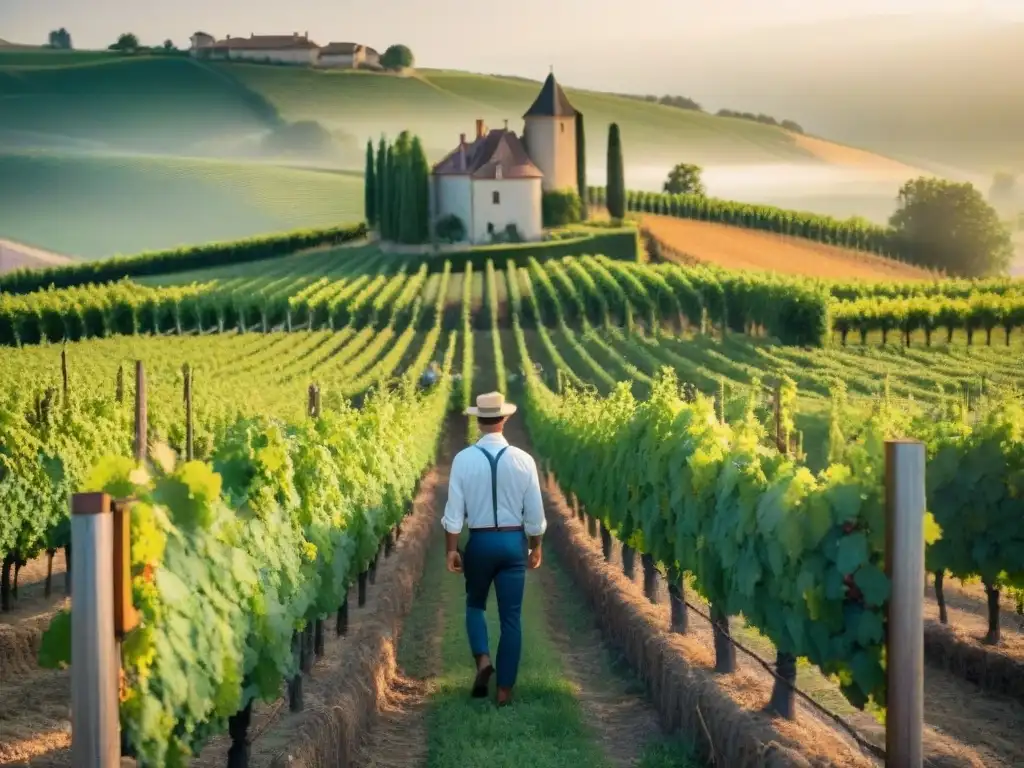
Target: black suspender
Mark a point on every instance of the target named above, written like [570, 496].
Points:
[493, 461]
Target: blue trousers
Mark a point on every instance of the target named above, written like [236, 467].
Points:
[498, 557]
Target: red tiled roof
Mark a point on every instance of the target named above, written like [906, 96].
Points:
[267, 43]
[340, 49]
[482, 158]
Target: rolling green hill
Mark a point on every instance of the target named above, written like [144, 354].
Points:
[440, 105]
[109, 115]
[174, 104]
[92, 206]
[154, 104]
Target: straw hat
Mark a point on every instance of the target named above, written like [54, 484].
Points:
[491, 405]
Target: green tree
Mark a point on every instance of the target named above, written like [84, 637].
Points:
[397, 57]
[409, 222]
[381, 209]
[685, 179]
[126, 43]
[169, 46]
[616, 197]
[581, 164]
[60, 39]
[389, 214]
[370, 186]
[948, 225]
[396, 183]
[421, 176]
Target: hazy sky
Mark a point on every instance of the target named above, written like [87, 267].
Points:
[588, 42]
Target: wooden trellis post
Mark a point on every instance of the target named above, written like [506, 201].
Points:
[189, 434]
[904, 565]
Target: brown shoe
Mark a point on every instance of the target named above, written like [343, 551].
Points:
[483, 678]
[504, 697]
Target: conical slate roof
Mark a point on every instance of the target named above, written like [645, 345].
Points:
[551, 101]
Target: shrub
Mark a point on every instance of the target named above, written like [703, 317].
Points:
[560, 207]
[450, 229]
[510, 234]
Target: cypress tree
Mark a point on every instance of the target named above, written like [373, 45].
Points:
[581, 164]
[421, 178]
[616, 180]
[370, 186]
[398, 151]
[407, 190]
[390, 194]
[382, 185]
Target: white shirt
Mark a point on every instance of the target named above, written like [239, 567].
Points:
[469, 489]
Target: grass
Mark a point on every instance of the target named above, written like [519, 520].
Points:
[546, 726]
[107, 205]
[46, 57]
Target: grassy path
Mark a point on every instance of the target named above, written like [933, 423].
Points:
[574, 704]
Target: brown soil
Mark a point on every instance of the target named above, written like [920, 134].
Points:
[960, 648]
[967, 603]
[399, 737]
[748, 249]
[34, 715]
[22, 627]
[627, 721]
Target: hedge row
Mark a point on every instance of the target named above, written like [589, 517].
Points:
[848, 233]
[622, 244]
[179, 259]
[979, 313]
[794, 312]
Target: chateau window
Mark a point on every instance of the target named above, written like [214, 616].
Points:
[562, 126]
[496, 197]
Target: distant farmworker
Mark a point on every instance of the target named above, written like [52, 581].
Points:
[494, 490]
[430, 376]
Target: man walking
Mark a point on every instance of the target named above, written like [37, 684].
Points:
[494, 490]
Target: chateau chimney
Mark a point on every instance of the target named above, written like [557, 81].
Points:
[462, 139]
[305, 35]
[506, 124]
[479, 128]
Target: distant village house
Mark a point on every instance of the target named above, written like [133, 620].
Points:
[497, 180]
[348, 56]
[293, 49]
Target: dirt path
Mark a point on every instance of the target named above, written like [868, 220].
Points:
[427, 718]
[399, 737]
[607, 691]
